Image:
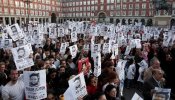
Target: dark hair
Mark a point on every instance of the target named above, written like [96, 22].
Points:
[109, 88]
[37, 75]
[97, 95]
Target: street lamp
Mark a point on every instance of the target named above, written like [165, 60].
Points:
[28, 6]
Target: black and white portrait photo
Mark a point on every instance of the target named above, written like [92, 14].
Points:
[21, 52]
[34, 79]
[77, 82]
[14, 30]
[6, 42]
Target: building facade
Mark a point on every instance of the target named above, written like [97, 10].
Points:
[23, 11]
[114, 11]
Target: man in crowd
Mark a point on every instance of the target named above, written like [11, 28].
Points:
[13, 90]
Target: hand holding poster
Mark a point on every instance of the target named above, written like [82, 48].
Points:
[143, 64]
[78, 86]
[35, 84]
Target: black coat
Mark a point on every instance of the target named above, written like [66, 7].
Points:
[147, 87]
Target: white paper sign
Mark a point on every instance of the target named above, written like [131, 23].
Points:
[73, 50]
[63, 48]
[21, 57]
[78, 86]
[143, 64]
[136, 97]
[97, 64]
[15, 32]
[74, 36]
[35, 84]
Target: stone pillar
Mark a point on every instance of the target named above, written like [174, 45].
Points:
[20, 22]
[3, 19]
[10, 21]
[15, 20]
[25, 20]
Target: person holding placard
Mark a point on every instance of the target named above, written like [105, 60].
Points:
[13, 90]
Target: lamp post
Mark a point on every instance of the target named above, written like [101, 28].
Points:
[28, 6]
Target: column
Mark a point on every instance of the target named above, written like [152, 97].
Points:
[41, 20]
[15, 20]
[20, 21]
[10, 21]
[25, 20]
[4, 20]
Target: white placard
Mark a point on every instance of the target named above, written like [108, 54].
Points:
[63, 48]
[78, 86]
[35, 84]
[21, 57]
[97, 64]
[15, 32]
[73, 50]
[74, 36]
[143, 64]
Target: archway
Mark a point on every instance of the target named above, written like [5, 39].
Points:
[101, 17]
[117, 21]
[135, 21]
[111, 20]
[149, 22]
[129, 21]
[123, 22]
[53, 18]
[143, 21]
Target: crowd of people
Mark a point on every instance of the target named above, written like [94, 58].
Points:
[60, 68]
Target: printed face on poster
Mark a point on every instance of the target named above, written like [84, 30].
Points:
[73, 50]
[74, 36]
[97, 64]
[83, 66]
[15, 32]
[35, 84]
[78, 86]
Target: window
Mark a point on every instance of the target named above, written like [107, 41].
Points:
[118, 13]
[143, 13]
[144, 6]
[136, 6]
[124, 6]
[17, 11]
[117, 7]
[136, 13]
[130, 6]
[130, 13]
[108, 7]
[101, 8]
[16, 3]
[11, 11]
[118, 1]
[22, 12]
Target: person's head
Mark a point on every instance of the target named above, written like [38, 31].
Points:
[111, 91]
[21, 52]
[6, 42]
[99, 96]
[34, 79]
[92, 80]
[63, 63]
[155, 63]
[14, 75]
[113, 78]
[158, 74]
[47, 63]
[52, 73]
[77, 82]
[50, 96]
[62, 69]
[2, 66]
[109, 66]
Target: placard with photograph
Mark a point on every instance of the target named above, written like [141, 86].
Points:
[35, 85]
